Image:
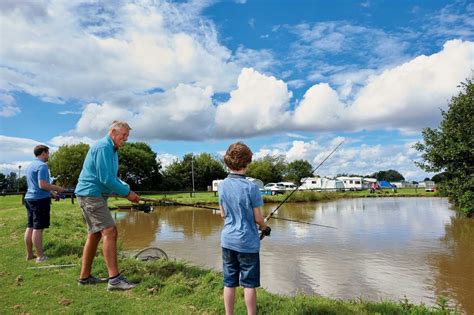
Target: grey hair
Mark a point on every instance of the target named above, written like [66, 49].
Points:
[119, 125]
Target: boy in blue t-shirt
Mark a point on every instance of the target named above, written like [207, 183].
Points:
[239, 203]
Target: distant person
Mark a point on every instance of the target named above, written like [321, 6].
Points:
[38, 203]
[239, 203]
[373, 187]
[98, 178]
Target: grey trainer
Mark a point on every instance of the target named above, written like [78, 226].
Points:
[91, 280]
[120, 283]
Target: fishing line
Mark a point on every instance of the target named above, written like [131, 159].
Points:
[285, 219]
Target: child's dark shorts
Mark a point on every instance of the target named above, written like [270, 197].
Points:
[38, 213]
[245, 266]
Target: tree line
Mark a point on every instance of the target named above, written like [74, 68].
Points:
[140, 167]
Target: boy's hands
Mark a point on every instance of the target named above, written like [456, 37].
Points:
[267, 231]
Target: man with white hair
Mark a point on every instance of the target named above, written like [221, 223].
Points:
[97, 179]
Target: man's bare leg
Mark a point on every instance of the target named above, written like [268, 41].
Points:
[88, 254]
[29, 243]
[109, 249]
[37, 237]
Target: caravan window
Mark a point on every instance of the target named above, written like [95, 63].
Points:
[313, 182]
[350, 182]
[357, 182]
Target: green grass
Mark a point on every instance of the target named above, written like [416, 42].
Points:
[169, 287]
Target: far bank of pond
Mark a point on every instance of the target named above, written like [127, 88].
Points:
[299, 196]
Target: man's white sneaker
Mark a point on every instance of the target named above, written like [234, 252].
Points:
[120, 283]
[41, 259]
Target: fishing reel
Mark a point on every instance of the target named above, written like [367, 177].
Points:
[145, 207]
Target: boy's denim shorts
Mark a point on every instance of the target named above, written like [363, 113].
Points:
[245, 266]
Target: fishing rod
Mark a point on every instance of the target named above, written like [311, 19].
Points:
[172, 203]
[270, 215]
[175, 203]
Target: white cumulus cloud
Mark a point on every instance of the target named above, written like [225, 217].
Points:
[258, 105]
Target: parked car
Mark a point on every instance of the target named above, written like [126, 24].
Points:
[275, 188]
[288, 185]
[430, 186]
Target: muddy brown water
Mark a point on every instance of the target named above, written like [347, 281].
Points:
[383, 248]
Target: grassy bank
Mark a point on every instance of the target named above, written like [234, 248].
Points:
[164, 286]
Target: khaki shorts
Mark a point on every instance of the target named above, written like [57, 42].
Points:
[96, 213]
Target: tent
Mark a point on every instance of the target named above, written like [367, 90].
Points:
[385, 184]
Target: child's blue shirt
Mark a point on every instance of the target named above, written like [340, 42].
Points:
[238, 196]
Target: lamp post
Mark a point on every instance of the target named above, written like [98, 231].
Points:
[192, 170]
[18, 181]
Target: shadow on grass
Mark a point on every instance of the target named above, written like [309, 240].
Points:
[61, 248]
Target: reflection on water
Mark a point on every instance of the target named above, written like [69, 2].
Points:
[383, 248]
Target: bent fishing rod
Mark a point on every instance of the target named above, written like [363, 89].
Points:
[175, 203]
[172, 203]
[270, 215]
[146, 208]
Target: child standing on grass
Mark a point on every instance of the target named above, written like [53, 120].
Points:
[239, 203]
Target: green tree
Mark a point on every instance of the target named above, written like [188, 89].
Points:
[178, 175]
[139, 167]
[268, 169]
[23, 184]
[450, 148]
[438, 178]
[12, 181]
[3, 182]
[298, 169]
[66, 163]
[206, 169]
[390, 175]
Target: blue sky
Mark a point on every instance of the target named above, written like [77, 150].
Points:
[287, 77]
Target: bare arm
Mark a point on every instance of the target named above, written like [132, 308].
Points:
[259, 219]
[48, 187]
[222, 211]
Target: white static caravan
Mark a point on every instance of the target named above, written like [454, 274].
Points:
[317, 183]
[352, 183]
[403, 184]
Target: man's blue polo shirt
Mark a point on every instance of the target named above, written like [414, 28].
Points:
[239, 196]
[36, 171]
[99, 172]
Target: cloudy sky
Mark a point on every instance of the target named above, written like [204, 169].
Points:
[286, 77]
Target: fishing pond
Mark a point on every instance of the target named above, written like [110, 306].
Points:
[382, 248]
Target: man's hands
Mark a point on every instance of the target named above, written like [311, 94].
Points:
[133, 197]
